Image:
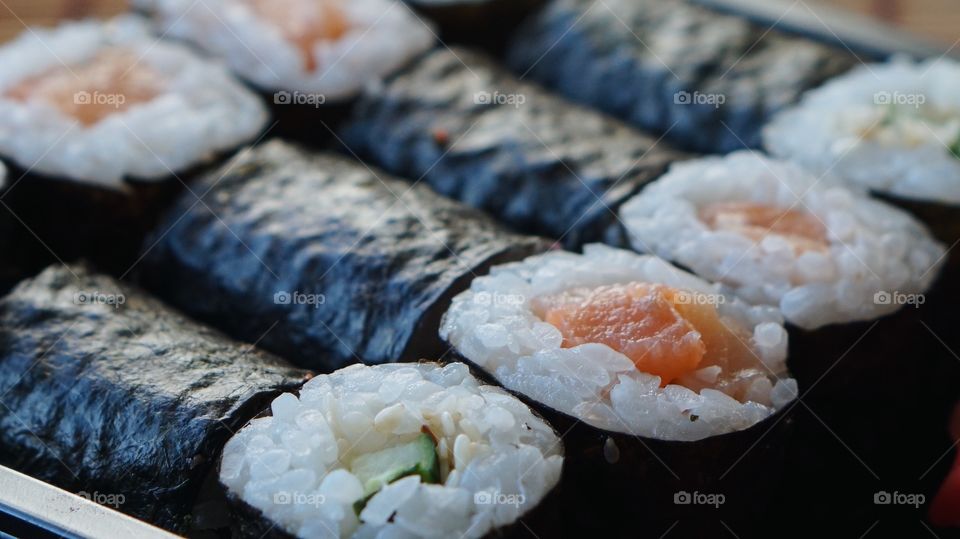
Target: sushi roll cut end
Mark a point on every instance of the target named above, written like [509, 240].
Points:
[776, 234]
[893, 128]
[104, 101]
[626, 343]
[329, 49]
[112, 71]
[417, 450]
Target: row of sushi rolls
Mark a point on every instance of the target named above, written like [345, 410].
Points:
[374, 269]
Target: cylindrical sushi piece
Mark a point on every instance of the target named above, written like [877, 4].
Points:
[851, 275]
[414, 450]
[663, 380]
[475, 133]
[308, 56]
[486, 23]
[709, 81]
[893, 128]
[777, 234]
[100, 102]
[108, 392]
[321, 259]
[93, 115]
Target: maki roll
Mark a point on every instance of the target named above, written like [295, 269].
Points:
[475, 133]
[663, 380]
[106, 390]
[778, 235]
[101, 123]
[851, 275]
[893, 128]
[99, 102]
[328, 49]
[487, 23]
[706, 80]
[308, 57]
[414, 450]
[321, 259]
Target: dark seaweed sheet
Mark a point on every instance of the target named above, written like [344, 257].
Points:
[133, 400]
[621, 485]
[384, 257]
[545, 166]
[486, 23]
[633, 58]
[45, 219]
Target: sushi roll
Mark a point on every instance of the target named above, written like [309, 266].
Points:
[99, 121]
[418, 450]
[108, 392]
[310, 52]
[475, 133]
[309, 58]
[100, 102]
[779, 235]
[320, 259]
[851, 275]
[663, 380]
[893, 128]
[708, 81]
[486, 23]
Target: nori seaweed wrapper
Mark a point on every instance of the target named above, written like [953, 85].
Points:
[876, 396]
[475, 133]
[321, 259]
[621, 485]
[61, 220]
[110, 393]
[709, 81]
[486, 23]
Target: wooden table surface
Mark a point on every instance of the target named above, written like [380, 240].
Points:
[937, 20]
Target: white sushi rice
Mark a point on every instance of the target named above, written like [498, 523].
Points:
[497, 458]
[383, 36]
[888, 127]
[493, 325]
[201, 110]
[875, 251]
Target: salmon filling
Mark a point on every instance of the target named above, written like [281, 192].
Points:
[305, 22]
[756, 221]
[665, 331]
[111, 82]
